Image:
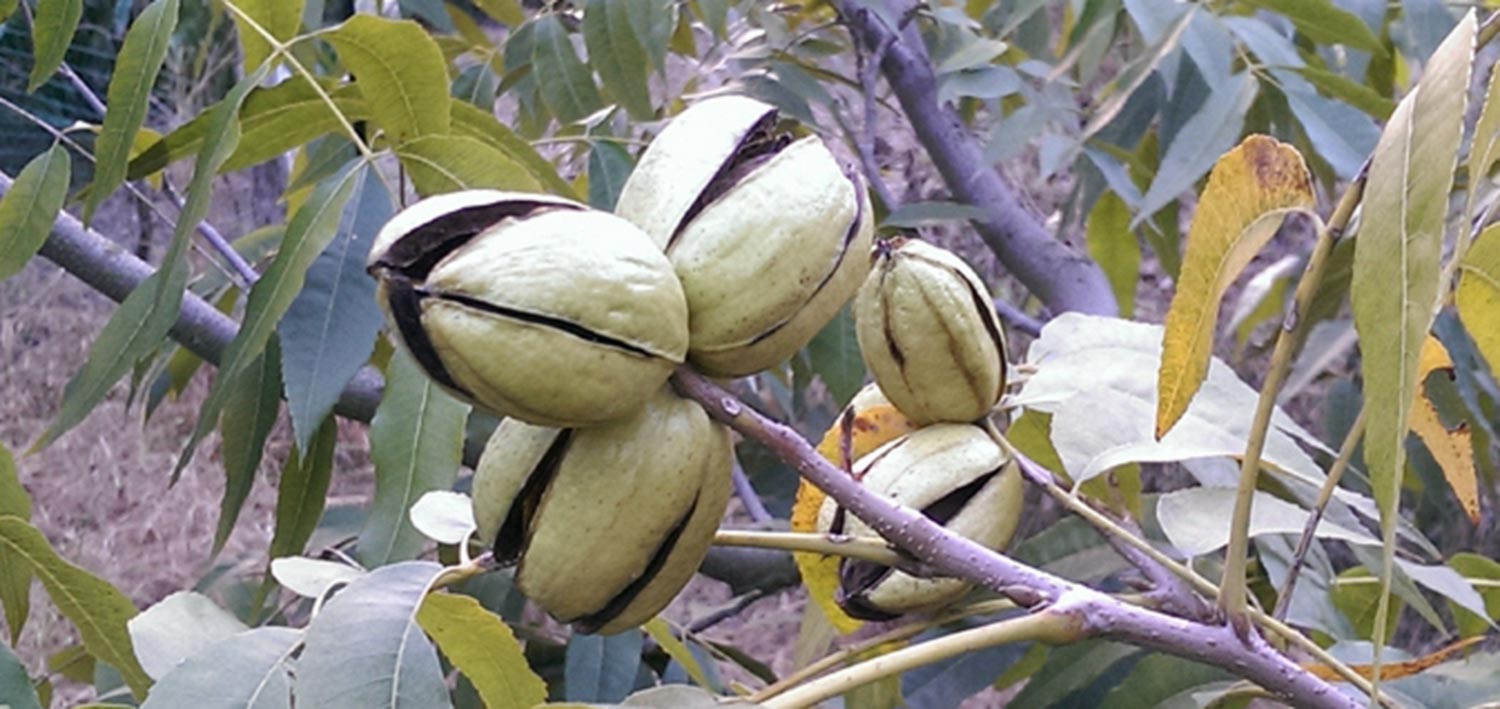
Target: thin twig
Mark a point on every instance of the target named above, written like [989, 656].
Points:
[735, 608]
[1294, 328]
[1018, 318]
[1340, 464]
[89, 97]
[744, 490]
[130, 187]
[867, 62]
[1046, 626]
[899, 634]
[872, 549]
[217, 241]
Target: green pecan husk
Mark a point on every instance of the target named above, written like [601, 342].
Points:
[954, 474]
[605, 524]
[929, 333]
[767, 232]
[530, 305]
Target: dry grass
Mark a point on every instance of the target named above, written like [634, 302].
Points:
[101, 493]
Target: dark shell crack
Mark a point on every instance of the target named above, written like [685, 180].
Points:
[850, 235]
[857, 577]
[622, 600]
[515, 531]
[418, 251]
[759, 145]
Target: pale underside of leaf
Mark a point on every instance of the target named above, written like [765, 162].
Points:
[365, 649]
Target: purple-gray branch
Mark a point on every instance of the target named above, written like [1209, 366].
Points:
[1090, 612]
[1063, 278]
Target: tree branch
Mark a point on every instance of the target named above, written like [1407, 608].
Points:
[1095, 614]
[206, 332]
[1060, 276]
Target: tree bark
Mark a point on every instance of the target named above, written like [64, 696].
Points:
[1061, 276]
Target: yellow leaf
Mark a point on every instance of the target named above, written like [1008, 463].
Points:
[482, 647]
[1451, 448]
[1478, 297]
[1249, 193]
[867, 423]
[1395, 670]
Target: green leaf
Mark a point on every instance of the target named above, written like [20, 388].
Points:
[8, 8]
[1349, 91]
[1357, 596]
[662, 633]
[136, 67]
[416, 443]
[654, 21]
[617, 55]
[52, 32]
[15, 575]
[400, 72]
[314, 225]
[447, 163]
[1201, 140]
[178, 627]
[249, 414]
[302, 491]
[149, 312]
[715, 14]
[98, 610]
[566, 85]
[609, 166]
[248, 670]
[1397, 255]
[329, 331]
[272, 121]
[915, 215]
[1485, 151]
[1478, 298]
[481, 646]
[29, 207]
[16, 690]
[280, 18]
[1249, 194]
[365, 648]
[833, 355]
[506, 12]
[601, 668]
[1112, 243]
[1070, 668]
[1325, 23]
[476, 123]
[1476, 567]
[1158, 678]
